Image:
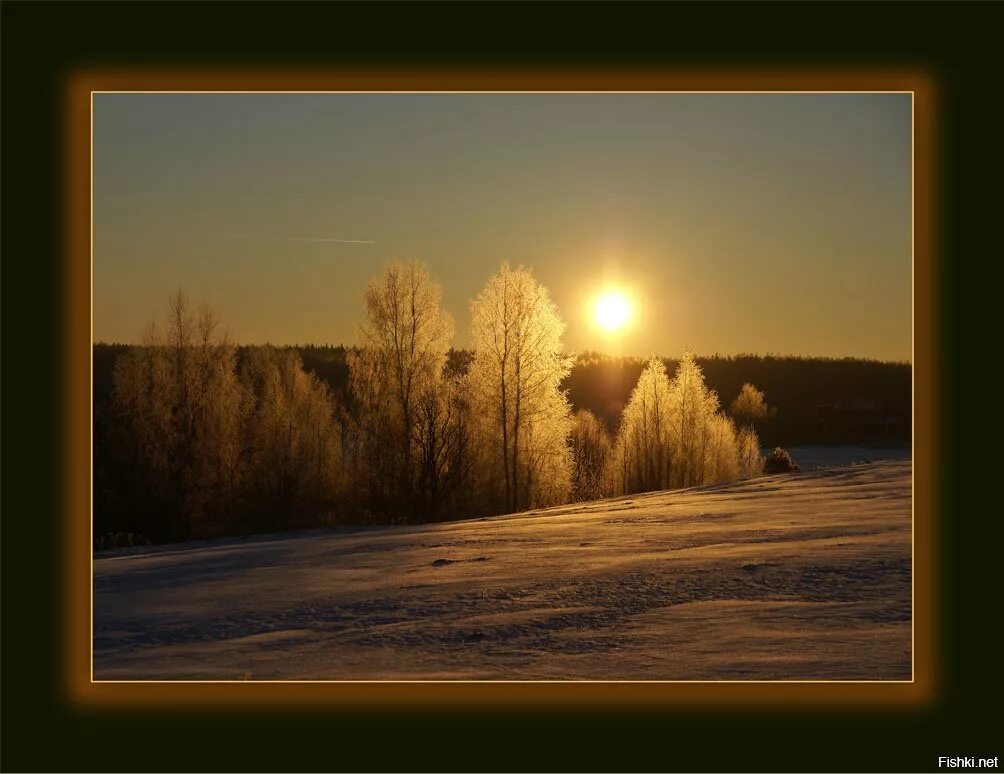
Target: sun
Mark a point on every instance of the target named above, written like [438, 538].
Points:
[612, 310]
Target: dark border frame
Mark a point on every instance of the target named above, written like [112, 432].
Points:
[45, 44]
[467, 695]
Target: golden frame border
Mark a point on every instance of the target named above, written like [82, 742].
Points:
[77, 682]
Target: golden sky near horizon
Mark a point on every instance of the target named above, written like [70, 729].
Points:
[732, 223]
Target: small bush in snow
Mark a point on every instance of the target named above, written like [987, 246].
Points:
[780, 461]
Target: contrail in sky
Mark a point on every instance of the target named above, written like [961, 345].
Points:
[307, 239]
[328, 239]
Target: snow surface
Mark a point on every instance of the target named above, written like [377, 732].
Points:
[812, 457]
[804, 576]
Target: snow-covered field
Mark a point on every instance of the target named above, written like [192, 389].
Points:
[812, 457]
[786, 577]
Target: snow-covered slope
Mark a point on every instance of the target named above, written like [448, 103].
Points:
[786, 577]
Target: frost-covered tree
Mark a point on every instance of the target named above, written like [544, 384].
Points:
[406, 336]
[515, 378]
[749, 406]
[692, 406]
[591, 450]
[367, 433]
[220, 407]
[179, 399]
[750, 459]
[545, 461]
[673, 435]
[443, 441]
[213, 442]
[722, 461]
[648, 434]
[294, 455]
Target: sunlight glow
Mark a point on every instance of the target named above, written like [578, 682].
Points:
[612, 310]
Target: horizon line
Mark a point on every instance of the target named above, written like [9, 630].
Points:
[575, 354]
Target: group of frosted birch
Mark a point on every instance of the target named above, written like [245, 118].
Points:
[240, 439]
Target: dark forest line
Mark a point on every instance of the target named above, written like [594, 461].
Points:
[304, 450]
[814, 400]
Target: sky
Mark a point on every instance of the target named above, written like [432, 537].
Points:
[737, 223]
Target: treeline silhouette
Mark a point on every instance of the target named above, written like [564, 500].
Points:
[814, 400]
[197, 437]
